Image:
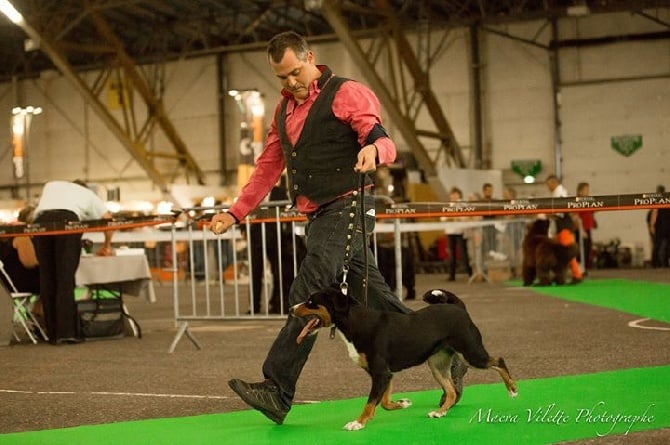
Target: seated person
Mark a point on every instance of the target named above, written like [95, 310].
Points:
[20, 262]
[18, 256]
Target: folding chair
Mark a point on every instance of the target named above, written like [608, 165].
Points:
[23, 308]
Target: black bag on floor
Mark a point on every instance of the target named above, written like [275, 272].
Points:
[100, 318]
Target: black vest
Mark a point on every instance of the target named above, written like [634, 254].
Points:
[321, 164]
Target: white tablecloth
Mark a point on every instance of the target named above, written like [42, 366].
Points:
[128, 273]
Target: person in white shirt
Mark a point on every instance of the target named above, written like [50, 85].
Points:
[59, 255]
[565, 225]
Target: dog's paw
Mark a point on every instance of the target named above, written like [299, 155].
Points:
[513, 394]
[354, 425]
[436, 414]
[404, 403]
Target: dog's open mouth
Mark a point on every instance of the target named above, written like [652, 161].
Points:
[312, 324]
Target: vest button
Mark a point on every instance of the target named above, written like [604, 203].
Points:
[295, 187]
[293, 154]
[294, 171]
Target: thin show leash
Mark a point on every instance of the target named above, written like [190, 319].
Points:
[358, 195]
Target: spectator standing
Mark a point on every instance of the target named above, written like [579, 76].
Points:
[385, 189]
[489, 230]
[515, 230]
[659, 227]
[565, 226]
[281, 264]
[456, 240]
[587, 222]
[59, 255]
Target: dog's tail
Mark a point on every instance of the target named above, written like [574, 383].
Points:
[441, 296]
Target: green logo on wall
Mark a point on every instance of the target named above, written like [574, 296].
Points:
[627, 144]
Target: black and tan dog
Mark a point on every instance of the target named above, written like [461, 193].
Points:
[388, 342]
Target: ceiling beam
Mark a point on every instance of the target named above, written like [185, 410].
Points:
[404, 125]
[422, 85]
[59, 60]
[154, 104]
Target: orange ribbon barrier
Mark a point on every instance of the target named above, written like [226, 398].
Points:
[97, 225]
[383, 211]
[491, 208]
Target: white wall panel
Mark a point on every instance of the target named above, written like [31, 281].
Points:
[70, 141]
[518, 107]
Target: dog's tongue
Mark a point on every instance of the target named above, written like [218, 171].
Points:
[311, 324]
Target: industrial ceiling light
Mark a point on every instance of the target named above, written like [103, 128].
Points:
[20, 125]
[10, 11]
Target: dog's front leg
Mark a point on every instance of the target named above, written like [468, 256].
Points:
[380, 383]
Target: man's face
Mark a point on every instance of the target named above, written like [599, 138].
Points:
[487, 192]
[294, 74]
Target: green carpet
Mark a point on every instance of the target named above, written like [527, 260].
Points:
[546, 411]
[650, 300]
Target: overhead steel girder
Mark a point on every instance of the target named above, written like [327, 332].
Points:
[404, 123]
[420, 76]
[62, 64]
[155, 110]
[155, 107]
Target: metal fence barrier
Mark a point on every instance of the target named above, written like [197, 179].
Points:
[233, 276]
[229, 276]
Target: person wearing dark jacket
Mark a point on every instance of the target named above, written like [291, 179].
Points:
[659, 228]
[279, 253]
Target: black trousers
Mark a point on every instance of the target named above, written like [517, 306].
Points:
[457, 241]
[386, 265]
[58, 256]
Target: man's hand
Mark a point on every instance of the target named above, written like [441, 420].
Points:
[221, 222]
[367, 159]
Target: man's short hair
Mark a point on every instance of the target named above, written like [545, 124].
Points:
[278, 45]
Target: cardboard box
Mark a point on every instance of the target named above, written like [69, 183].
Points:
[497, 271]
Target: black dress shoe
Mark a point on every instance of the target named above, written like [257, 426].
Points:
[262, 396]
